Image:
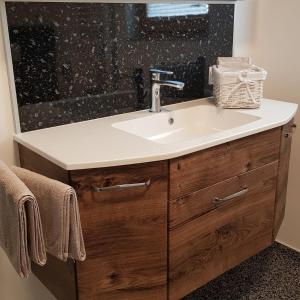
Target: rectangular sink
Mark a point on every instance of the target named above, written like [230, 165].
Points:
[172, 127]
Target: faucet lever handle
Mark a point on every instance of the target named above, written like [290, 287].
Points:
[155, 73]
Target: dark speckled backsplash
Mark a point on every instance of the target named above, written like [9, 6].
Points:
[80, 61]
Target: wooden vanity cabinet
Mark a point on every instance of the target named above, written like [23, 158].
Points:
[198, 216]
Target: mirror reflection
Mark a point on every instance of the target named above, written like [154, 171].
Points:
[79, 61]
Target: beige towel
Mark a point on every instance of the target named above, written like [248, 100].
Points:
[21, 234]
[59, 213]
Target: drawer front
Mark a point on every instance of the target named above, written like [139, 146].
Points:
[125, 233]
[206, 247]
[239, 187]
[205, 168]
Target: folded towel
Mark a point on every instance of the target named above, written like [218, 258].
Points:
[59, 214]
[21, 234]
[234, 62]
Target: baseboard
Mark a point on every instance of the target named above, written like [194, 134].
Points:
[287, 245]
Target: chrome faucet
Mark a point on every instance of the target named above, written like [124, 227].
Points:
[156, 83]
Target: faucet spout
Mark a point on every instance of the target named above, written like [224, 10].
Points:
[172, 83]
[156, 83]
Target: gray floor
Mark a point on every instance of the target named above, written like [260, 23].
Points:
[272, 274]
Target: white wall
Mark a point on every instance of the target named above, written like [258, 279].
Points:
[269, 32]
[11, 286]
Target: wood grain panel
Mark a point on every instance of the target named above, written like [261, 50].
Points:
[125, 233]
[206, 247]
[202, 169]
[195, 204]
[283, 172]
[58, 276]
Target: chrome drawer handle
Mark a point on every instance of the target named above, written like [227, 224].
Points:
[218, 200]
[122, 186]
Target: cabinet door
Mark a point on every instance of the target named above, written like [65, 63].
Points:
[125, 232]
[283, 172]
[207, 246]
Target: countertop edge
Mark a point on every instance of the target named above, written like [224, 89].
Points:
[164, 156]
[34, 149]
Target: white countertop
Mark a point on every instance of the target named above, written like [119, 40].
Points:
[96, 143]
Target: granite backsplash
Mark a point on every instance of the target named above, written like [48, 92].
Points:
[80, 61]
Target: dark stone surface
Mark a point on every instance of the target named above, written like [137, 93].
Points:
[272, 274]
[78, 61]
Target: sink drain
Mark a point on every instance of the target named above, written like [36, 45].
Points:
[171, 121]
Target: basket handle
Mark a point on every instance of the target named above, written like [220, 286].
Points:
[257, 69]
[243, 81]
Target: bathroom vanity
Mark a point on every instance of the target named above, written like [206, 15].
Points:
[161, 217]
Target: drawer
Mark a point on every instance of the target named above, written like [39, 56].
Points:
[207, 246]
[238, 188]
[125, 232]
[205, 168]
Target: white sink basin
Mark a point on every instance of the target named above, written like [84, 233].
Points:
[172, 127]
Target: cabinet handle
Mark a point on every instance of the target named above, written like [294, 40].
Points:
[121, 186]
[218, 200]
[290, 134]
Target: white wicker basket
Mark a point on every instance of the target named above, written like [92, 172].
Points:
[238, 88]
